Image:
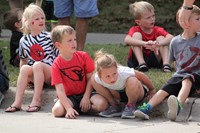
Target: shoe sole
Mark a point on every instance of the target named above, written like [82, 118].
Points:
[141, 115]
[111, 115]
[127, 117]
[173, 108]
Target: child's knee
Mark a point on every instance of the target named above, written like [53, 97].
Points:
[58, 110]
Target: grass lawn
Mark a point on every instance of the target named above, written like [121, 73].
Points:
[120, 52]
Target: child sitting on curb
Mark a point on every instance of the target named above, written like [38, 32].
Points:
[13, 21]
[149, 43]
[184, 51]
[71, 73]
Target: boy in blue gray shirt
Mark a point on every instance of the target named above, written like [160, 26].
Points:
[185, 52]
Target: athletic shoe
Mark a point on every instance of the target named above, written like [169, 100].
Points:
[174, 107]
[112, 111]
[143, 111]
[128, 112]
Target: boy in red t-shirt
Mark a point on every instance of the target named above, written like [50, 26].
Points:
[149, 43]
[71, 72]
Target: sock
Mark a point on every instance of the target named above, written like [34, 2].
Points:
[179, 104]
[149, 106]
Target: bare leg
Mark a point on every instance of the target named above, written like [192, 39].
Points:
[26, 73]
[58, 109]
[134, 90]
[137, 50]
[164, 52]
[42, 73]
[81, 28]
[185, 91]
[158, 98]
[138, 54]
[99, 103]
[64, 21]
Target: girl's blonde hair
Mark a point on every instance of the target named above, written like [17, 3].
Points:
[137, 8]
[104, 60]
[59, 31]
[28, 14]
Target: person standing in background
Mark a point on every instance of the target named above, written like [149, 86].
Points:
[48, 8]
[83, 10]
[15, 4]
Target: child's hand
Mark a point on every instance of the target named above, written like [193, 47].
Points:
[151, 45]
[71, 113]
[85, 104]
[150, 95]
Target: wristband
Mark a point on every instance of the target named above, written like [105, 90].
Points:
[187, 8]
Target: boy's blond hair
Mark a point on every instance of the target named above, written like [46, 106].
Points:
[28, 14]
[195, 10]
[137, 8]
[59, 31]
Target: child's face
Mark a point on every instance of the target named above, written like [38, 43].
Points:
[147, 20]
[68, 43]
[109, 75]
[194, 22]
[37, 24]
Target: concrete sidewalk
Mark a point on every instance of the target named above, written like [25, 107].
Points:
[43, 121]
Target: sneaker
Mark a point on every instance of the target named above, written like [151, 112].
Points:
[174, 107]
[112, 111]
[143, 111]
[128, 112]
[1, 97]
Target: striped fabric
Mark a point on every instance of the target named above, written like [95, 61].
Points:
[38, 48]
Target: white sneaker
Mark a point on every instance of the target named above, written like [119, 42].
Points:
[173, 107]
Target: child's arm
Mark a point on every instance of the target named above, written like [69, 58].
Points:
[132, 41]
[70, 112]
[166, 40]
[146, 81]
[85, 102]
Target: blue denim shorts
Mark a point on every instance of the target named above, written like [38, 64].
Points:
[80, 8]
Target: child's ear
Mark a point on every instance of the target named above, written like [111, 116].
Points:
[57, 44]
[137, 21]
[17, 25]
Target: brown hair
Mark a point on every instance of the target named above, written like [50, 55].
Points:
[11, 17]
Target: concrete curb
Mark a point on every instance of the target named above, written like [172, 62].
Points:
[190, 110]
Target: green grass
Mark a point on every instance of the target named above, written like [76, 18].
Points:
[120, 52]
